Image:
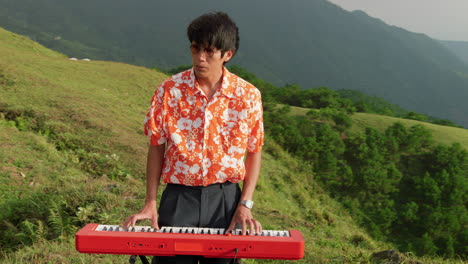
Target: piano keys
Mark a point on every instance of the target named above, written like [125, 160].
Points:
[208, 242]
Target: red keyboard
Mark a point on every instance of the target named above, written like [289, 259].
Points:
[208, 242]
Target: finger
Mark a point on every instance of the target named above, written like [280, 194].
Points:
[154, 221]
[128, 221]
[125, 223]
[252, 227]
[136, 218]
[244, 227]
[258, 227]
[231, 226]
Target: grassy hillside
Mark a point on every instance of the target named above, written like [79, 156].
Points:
[94, 105]
[441, 134]
[72, 152]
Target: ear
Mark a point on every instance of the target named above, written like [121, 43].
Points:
[228, 55]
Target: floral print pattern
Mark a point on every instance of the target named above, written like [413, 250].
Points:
[206, 140]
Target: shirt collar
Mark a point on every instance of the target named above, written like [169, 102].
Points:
[226, 88]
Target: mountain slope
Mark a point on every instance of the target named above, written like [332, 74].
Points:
[73, 153]
[312, 43]
[459, 48]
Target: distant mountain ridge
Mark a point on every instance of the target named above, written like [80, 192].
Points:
[309, 42]
[459, 48]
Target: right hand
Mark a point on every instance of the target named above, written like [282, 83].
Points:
[148, 212]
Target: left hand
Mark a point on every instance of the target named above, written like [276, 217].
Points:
[243, 216]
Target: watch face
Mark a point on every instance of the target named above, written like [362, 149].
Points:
[248, 203]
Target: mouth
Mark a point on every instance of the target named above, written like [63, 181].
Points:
[200, 68]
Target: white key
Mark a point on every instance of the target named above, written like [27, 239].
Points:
[188, 230]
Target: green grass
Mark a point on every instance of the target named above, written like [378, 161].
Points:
[72, 152]
[442, 134]
[98, 105]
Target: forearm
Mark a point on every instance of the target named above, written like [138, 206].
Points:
[153, 172]
[153, 175]
[243, 215]
[252, 172]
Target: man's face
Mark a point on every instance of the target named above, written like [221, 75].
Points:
[207, 61]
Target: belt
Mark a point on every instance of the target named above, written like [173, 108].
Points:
[200, 188]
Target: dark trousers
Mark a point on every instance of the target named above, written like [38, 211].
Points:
[197, 206]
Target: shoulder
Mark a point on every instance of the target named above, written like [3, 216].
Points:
[243, 87]
[185, 77]
[172, 86]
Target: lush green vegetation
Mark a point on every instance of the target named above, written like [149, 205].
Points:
[399, 183]
[72, 152]
[402, 186]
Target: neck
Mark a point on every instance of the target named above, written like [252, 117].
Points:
[210, 82]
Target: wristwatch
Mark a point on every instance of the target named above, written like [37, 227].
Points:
[247, 203]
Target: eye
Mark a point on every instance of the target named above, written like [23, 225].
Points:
[194, 48]
[209, 51]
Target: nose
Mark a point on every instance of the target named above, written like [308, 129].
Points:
[202, 55]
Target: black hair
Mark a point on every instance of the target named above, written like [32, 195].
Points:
[215, 30]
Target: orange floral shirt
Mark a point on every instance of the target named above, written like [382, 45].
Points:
[206, 140]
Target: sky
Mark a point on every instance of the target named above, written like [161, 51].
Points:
[439, 19]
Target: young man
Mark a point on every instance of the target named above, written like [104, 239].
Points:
[206, 134]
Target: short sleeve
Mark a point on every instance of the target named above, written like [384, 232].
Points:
[256, 136]
[154, 120]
